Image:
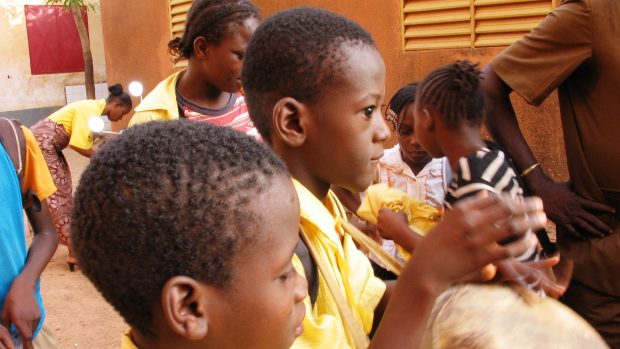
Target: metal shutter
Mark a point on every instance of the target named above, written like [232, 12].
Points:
[178, 15]
[437, 24]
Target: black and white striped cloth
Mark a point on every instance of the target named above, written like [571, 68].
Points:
[487, 170]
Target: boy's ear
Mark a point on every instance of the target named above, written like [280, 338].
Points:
[184, 305]
[201, 47]
[289, 121]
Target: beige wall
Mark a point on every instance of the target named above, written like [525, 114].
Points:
[144, 57]
[20, 89]
[136, 35]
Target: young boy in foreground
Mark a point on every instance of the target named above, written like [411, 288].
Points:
[314, 83]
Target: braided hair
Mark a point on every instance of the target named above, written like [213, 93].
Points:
[454, 92]
[401, 99]
[210, 19]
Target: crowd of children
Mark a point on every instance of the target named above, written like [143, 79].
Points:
[203, 236]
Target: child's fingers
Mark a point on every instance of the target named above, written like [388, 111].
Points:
[6, 342]
[509, 229]
[481, 212]
[479, 201]
[544, 263]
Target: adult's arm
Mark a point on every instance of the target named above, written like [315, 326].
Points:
[84, 152]
[562, 205]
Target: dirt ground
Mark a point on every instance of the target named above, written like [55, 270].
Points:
[76, 313]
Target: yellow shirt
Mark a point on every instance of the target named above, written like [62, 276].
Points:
[323, 327]
[74, 118]
[37, 176]
[420, 216]
[159, 104]
[127, 342]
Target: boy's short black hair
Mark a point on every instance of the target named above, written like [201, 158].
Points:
[454, 92]
[164, 199]
[295, 53]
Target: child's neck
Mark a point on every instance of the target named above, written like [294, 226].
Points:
[297, 167]
[200, 91]
[461, 142]
[415, 167]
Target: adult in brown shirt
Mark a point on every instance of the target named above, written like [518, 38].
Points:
[576, 50]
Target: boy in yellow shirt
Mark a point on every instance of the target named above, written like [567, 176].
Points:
[314, 83]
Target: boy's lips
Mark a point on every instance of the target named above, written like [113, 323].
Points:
[299, 330]
[377, 157]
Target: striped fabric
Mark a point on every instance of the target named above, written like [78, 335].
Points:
[488, 170]
[483, 170]
[234, 115]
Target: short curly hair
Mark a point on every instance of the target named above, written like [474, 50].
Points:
[164, 199]
[296, 53]
[210, 19]
[454, 91]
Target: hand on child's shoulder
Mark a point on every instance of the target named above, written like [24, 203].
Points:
[467, 239]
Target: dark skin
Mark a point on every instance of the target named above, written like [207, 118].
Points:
[115, 110]
[214, 70]
[411, 151]
[20, 305]
[394, 226]
[454, 142]
[576, 215]
[430, 268]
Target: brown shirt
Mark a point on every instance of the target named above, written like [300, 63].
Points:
[576, 49]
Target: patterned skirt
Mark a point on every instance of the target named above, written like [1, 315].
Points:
[52, 139]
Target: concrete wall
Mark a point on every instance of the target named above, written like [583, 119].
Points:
[142, 55]
[136, 35]
[28, 93]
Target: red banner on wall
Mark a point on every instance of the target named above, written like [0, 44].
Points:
[53, 40]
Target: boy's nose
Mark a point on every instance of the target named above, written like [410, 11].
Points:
[383, 131]
[301, 288]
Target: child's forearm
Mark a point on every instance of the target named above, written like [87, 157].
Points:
[406, 238]
[406, 315]
[43, 245]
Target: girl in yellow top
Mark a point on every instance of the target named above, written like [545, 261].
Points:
[216, 35]
[69, 127]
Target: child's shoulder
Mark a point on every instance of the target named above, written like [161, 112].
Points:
[482, 164]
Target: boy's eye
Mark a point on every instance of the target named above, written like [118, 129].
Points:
[287, 275]
[369, 110]
[238, 55]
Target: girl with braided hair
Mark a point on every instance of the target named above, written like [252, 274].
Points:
[214, 41]
[448, 114]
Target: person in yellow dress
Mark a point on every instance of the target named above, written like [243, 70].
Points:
[69, 127]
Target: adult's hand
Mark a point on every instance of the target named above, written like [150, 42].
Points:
[574, 214]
